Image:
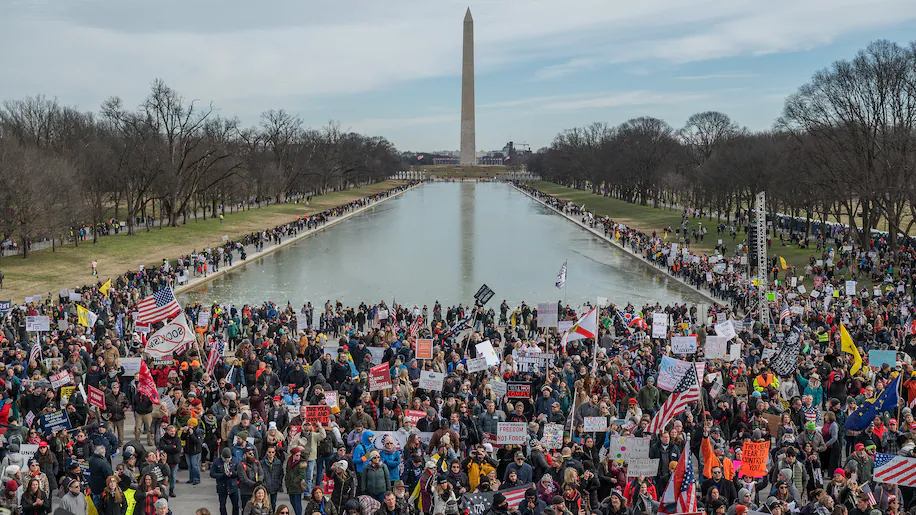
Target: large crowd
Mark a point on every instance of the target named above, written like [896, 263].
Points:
[384, 409]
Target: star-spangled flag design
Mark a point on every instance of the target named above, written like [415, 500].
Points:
[687, 391]
[885, 401]
[216, 351]
[785, 362]
[680, 493]
[481, 502]
[896, 470]
[158, 307]
[459, 326]
[786, 312]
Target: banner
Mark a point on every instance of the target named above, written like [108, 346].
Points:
[431, 380]
[61, 379]
[547, 315]
[485, 349]
[54, 421]
[553, 436]
[519, 390]
[642, 467]
[379, 377]
[424, 348]
[684, 344]
[595, 424]
[876, 358]
[511, 433]
[37, 323]
[672, 371]
[174, 337]
[754, 458]
[659, 325]
[477, 364]
[96, 397]
[317, 414]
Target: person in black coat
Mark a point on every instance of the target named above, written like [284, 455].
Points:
[99, 471]
[227, 483]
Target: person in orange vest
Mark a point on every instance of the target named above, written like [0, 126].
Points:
[765, 380]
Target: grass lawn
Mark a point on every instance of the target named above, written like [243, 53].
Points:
[68, 267]
[647, 219]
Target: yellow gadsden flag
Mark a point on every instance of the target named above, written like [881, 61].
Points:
[782, 262]
[850, 348]
[105, 287]
[84, 316]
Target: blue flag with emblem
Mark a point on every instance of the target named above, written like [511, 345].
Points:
[885, 401]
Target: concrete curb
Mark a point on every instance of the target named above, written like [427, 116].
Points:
[625, 250]
[198, 281]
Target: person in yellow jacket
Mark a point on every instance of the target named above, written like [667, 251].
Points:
[765, 380]
[477, 466]
[716, 458]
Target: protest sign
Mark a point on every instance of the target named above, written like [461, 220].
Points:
[595, 424]
[684, 344]
[511, 433]
[519, 390]
[642, 466]
[754, 458]
[851, 288]
[424, 348]
[377, 354]
[553, 436]
[37, 323]
[330, 399]
[531, 364]
[379, 377]
[716, 347]
[131, 366]
[876, 358]
[414, 415]
[96, 397]
[28, 450]
[317, 414]
[772, 422]
[485, 349]
[477, 364]
[726, 329]
[66, 392]
[61, 379]
[670, 372]
[203, 318]
[547, 314]
[174, 337]
[564, 325]
[659, 325]
[169, 404]
[499, 388]
[54, 421]
[432, 380]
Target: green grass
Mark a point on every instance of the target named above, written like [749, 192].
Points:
[69, 266]
[648, 219]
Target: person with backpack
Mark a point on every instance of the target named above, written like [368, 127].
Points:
[326, 455]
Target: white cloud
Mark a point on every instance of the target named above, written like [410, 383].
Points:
[626, 98]
[716, 76]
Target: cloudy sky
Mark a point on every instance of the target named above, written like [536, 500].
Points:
[393, 67]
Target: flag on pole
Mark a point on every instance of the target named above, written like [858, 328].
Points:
[216, 351]
[785, 362]
[850, 348]
[158, 306]
[896, 470]
[585, 327]
[145, 383]
[561, 276]
[887, 400]
[782, 262]
[785, 313]
[105, 287]
[680, 494]
[35, 354]
[687, 391]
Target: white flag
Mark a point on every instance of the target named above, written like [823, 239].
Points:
[174, 337]
[561, 277]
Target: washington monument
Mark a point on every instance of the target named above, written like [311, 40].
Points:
[468, 148]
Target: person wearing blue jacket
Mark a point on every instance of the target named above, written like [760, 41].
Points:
[362, 450]
[391, 458]
[227, 483]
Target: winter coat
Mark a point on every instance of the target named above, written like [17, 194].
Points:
[374, 480]
[99, 470]
[309, 442]
[273, 475]
[362, 450]
[224, 474]
[250, 476]
[326, 507]
[171, 445]
[392, 460]
[295, 477]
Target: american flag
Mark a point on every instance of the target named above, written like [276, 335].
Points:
[35, 354]
[785, 313]
[895, 470]
[216, 351]
[459, 326]
[868, 492]
[157, 307]
[680, 495]
[687, 391]
[415, 326]
[481, 502]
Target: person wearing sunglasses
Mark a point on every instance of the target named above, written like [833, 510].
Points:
[282, 510]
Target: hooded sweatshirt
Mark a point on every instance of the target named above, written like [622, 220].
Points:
[361, 451]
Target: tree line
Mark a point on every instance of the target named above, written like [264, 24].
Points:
[844, 148]
[62, 168]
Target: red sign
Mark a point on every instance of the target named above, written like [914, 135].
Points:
[424, 348]
[317, 414]
[414, 415]
[379, 377]
[96, 397]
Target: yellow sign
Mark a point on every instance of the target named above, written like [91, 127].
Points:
[66, 392]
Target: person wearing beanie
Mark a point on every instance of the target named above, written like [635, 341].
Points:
[375, 479]
[532, 505]
[223, 470]
[344, 483]
[192, 436]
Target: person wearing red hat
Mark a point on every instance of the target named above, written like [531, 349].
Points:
[278, 413]
[9, 499]
[890, 440]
